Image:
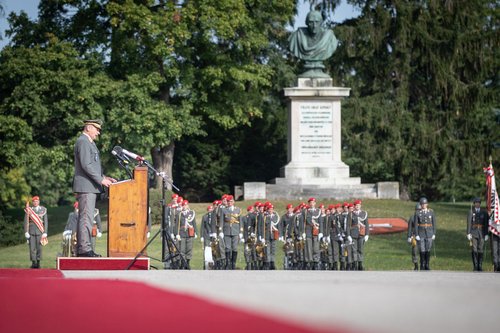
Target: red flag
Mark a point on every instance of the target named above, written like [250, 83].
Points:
[492, 203]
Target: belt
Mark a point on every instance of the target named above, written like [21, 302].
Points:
[425, 225]
[477, 226]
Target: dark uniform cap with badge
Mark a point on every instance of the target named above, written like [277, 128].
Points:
[423, 200]
[476, 199]
[97, 123]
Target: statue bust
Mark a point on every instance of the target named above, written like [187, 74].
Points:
[313, 44]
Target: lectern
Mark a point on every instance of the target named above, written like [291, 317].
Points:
[128, 215]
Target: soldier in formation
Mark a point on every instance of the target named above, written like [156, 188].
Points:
[477, 233]
[35, 229]
[185, 232]
[411, 236]
[425, 230]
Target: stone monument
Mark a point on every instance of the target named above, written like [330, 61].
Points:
[315, 164]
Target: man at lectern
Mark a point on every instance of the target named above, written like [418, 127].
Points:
[87, 183]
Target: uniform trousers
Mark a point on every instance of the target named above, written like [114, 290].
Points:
[35, 247]
[424, 244]
[186, 247]
[86, 206]
[312, 251]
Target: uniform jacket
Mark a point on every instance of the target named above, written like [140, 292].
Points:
[477, 223]
[335, 229]
[268, 223]
[411, 225]
[312, 221]
[354, 221]
[286, 225]
[425, 224]
[298, 224]
[88, 170]
[72, 221]
[30, 226]
[185, 220]
[230, 219]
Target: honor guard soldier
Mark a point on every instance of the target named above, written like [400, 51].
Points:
[230, 219]
[358, 231]
[286, 233]
[268, 233]
[335, 235]
[185, 231]
[412, 235]
[206, 230]
[324, 260]
[299, 237]
[249, 238]
[313, 235]
[477, 233]
[346, 244]
[220, 259]
[35, 229]
[168, 222]
[425, 229]
[69, 233]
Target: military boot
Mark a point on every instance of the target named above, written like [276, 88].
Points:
[427, 260]
[33, 264]
[342, 266]
[334, 266]
[479, 262]
[37, 264]
[188, 266]
[228, 260]
[474, 261]
[422, 261]
[416, 267]
[360, 266]
[233, 260]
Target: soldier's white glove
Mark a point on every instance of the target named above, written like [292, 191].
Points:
[328, 239]
[340, 237]
[486, 238]
[195, 236]
[241, 236]
[469, 236]
[99, 234]
[252, 234]
[409, 239]
[148, 235]
[263, 241]
[304, 235]
[27, 235]
[221, 235]
[202, 239]
[178, 237]
[366, 238]
[172, 236]
[213, 235]
[433, 237]
[320, 235]
[417, 237]
[349, 238]
[44, 235]
[300, 238]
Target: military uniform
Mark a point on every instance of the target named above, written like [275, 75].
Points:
[425, 229]
[206, 230]
[299, 239]
[358, 229]
[411, 237]
[286, 230]
[336, 237]
[232, 229]
[324, 248]
[185, 232]
[249, 236]
[69, 234]
[313, 236]
[268, 232]
[346, 246]
[96, 228]
[477, 231]
[34, 234]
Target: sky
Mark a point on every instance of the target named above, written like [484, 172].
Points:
[31, 7]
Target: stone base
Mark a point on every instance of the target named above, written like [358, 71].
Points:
[316, 174]
[287, 189]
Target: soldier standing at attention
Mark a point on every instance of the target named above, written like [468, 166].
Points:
[206, 230]
[412, 235]
[313, 235]
[286, 236]
[358, 230]
[230, 220]
[96, 228]
[185, 232]
[87, 183]
[336, 236]
[425, 229]
[219, 206]
[35, 230]
[477, 233]
[249, 238]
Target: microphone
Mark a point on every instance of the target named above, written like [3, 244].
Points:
[121, 157]
[125, 152]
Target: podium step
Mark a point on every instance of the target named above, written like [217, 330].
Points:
[103, 263]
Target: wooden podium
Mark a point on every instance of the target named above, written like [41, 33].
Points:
[128, 215]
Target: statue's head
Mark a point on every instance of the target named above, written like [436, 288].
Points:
[314, 19]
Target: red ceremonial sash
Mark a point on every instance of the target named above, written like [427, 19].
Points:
[35, 218]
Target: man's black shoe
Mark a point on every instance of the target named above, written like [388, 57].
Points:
[90, 254]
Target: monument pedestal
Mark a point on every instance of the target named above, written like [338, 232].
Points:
[315, 165]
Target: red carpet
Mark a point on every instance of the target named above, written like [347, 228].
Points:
[41, 301]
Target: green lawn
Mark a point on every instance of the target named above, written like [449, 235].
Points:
[383, 252]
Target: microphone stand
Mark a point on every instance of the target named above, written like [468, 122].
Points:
[123, 164]
[167, 241]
